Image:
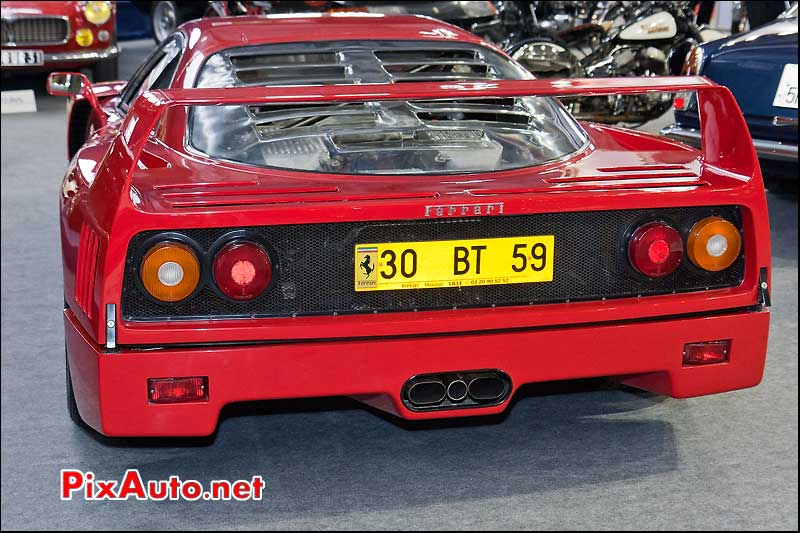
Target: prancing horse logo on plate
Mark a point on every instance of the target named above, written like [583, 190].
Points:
[366, 266]
[463, 210]
[366, 263]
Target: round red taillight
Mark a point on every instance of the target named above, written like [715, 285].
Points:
[655, 249]
[242, 270]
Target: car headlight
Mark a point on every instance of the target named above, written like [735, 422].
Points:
[97, 13]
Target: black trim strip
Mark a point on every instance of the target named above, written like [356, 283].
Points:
[206, 345]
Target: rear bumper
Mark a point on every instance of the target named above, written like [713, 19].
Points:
[111, 387]
[766, 149]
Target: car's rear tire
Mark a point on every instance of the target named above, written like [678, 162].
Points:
[106, 70]
[72, 405]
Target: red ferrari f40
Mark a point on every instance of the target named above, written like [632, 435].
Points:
[286, 207]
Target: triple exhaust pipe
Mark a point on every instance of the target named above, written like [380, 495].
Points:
[479, 388]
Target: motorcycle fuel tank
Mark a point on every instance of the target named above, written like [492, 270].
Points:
[659, 25]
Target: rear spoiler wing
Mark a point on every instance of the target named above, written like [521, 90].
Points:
[725, 138]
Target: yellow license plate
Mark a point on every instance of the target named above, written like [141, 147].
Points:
[462, 263]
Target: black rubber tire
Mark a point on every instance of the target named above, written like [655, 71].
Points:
[781, 185]
[72, 405]
[105, 71]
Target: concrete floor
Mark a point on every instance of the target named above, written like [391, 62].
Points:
[567, 456]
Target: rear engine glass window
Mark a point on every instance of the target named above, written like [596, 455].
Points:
[378, 137]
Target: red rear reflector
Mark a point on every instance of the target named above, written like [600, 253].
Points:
[177, 390]
[706, 353]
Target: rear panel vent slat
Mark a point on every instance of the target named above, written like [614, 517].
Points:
[291, 69]
[430, 65]
[513, 120]
[267, 60]
[275, 122]
[498, 112]
[86, 269]
[294, 76]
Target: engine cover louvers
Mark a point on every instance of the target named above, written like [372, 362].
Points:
[499, 113]
[353, 124]
[274, 122]
[349, 63]
[444, 65]
[287, 69]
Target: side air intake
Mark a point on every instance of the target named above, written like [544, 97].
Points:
[88, 249]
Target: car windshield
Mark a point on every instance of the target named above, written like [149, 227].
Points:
[378, 137]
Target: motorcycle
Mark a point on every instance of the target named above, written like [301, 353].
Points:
[617, 39]
[568, 23]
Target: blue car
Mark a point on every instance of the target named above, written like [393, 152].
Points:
[133, 21]
[760, 68]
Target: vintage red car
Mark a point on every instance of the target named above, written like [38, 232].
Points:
[295, 207]
[38, 36]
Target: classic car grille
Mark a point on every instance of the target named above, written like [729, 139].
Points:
[48, 30]
[314, 271]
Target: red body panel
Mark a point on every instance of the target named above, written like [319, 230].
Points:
[125, 181]
[70, 54]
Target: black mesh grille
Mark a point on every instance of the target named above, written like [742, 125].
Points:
[314, 265]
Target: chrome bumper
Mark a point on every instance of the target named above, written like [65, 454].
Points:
[80, 56]
[88, 56]
[774, 150]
